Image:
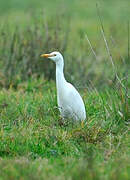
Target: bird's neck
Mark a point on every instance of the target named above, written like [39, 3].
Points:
[60, 79]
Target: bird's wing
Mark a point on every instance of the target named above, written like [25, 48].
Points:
[74, 97]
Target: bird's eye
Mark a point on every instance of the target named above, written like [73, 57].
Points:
[54, 54]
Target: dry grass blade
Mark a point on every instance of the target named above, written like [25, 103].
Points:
[115, 45]
[110, 55]
[126, 92]
[108, 49]
[91, 47]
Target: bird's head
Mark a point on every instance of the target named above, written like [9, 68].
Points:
[54, 56]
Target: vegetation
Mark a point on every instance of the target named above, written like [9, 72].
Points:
[34, 142]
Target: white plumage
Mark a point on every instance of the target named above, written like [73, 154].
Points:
[69, 100]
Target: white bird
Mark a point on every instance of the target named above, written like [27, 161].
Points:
[70, 103]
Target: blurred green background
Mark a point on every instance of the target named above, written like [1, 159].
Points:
[29, 28]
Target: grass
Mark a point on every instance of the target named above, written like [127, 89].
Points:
[29, 32]
[34, 142]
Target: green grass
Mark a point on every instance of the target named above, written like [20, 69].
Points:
[34, 142]
[26, 32]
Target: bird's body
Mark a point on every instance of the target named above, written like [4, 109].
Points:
[70, 103]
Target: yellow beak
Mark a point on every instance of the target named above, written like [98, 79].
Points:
[45, 55]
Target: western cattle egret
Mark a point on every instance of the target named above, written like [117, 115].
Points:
[70, 103]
